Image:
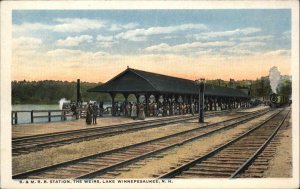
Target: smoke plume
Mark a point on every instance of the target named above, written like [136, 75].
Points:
[274, 77]
[62, 101]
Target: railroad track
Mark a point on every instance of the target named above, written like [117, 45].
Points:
[100, 165]
[233, 159]
[27, 144]
[261, 163]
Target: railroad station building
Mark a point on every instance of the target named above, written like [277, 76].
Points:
[170, 89]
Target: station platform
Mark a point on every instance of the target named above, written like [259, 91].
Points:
[22, 130]
[254, 109]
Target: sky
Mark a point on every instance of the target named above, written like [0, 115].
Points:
[95, 45]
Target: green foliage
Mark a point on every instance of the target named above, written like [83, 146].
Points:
[285, 88]
[261, 87]
[50, 92]
[258, 88]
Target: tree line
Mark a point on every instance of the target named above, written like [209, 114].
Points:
[50, 92]
[258, 88]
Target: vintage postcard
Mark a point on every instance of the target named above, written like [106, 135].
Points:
[152, 94]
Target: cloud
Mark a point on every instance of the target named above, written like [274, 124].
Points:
[286, 35]
[130, 25]
[104, 38]
[141, 34]
[163, 47]
[74, 41]
[252, 44]
[73, 25]
[77, 24]
[279, 52]
[106, 41]
[229, 33]
[117, 27]
[25, 27]
[26, 43]
[75, 56]
[243, 48]
[256, 38]
[216, 48]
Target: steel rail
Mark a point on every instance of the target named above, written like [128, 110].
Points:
[86, 129]
[245, 165]
[25, 148]
[39, 170]
[124, 163]
[97, 135]
[186, 166]
[109, 126]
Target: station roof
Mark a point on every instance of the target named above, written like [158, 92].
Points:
[138, 81]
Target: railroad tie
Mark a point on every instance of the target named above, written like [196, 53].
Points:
[208, 173]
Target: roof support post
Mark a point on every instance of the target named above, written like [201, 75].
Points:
[210, 101]
[196, 104]
[226, 103]
[147, 100]
[234, 102]
[184, 98]
[113, 95]
[240, 102]
[125, 103]
[137, 96]
[205, 103]
[222, 103]
[165, 97]
[218, 99]
[156, 98]
[215, 103]
[175, 99]
[155, 108]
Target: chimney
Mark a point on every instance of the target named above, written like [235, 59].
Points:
[78, 92]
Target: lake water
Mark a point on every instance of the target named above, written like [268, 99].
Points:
[24, 117]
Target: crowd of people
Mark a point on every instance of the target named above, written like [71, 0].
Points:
[136, 111]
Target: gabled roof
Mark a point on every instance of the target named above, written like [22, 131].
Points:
[132, 80]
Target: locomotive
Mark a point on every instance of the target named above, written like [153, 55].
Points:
[277, 101]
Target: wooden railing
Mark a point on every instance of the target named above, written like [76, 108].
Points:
[49, 115]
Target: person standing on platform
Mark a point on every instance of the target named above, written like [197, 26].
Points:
[74, 110]
[141, 114]
[95, 113]
[127, 109]
[89, 113]
[193, 108]
[101, 109]
[133, 111]
[155, 109]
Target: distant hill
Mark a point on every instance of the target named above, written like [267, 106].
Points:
[50, 92]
